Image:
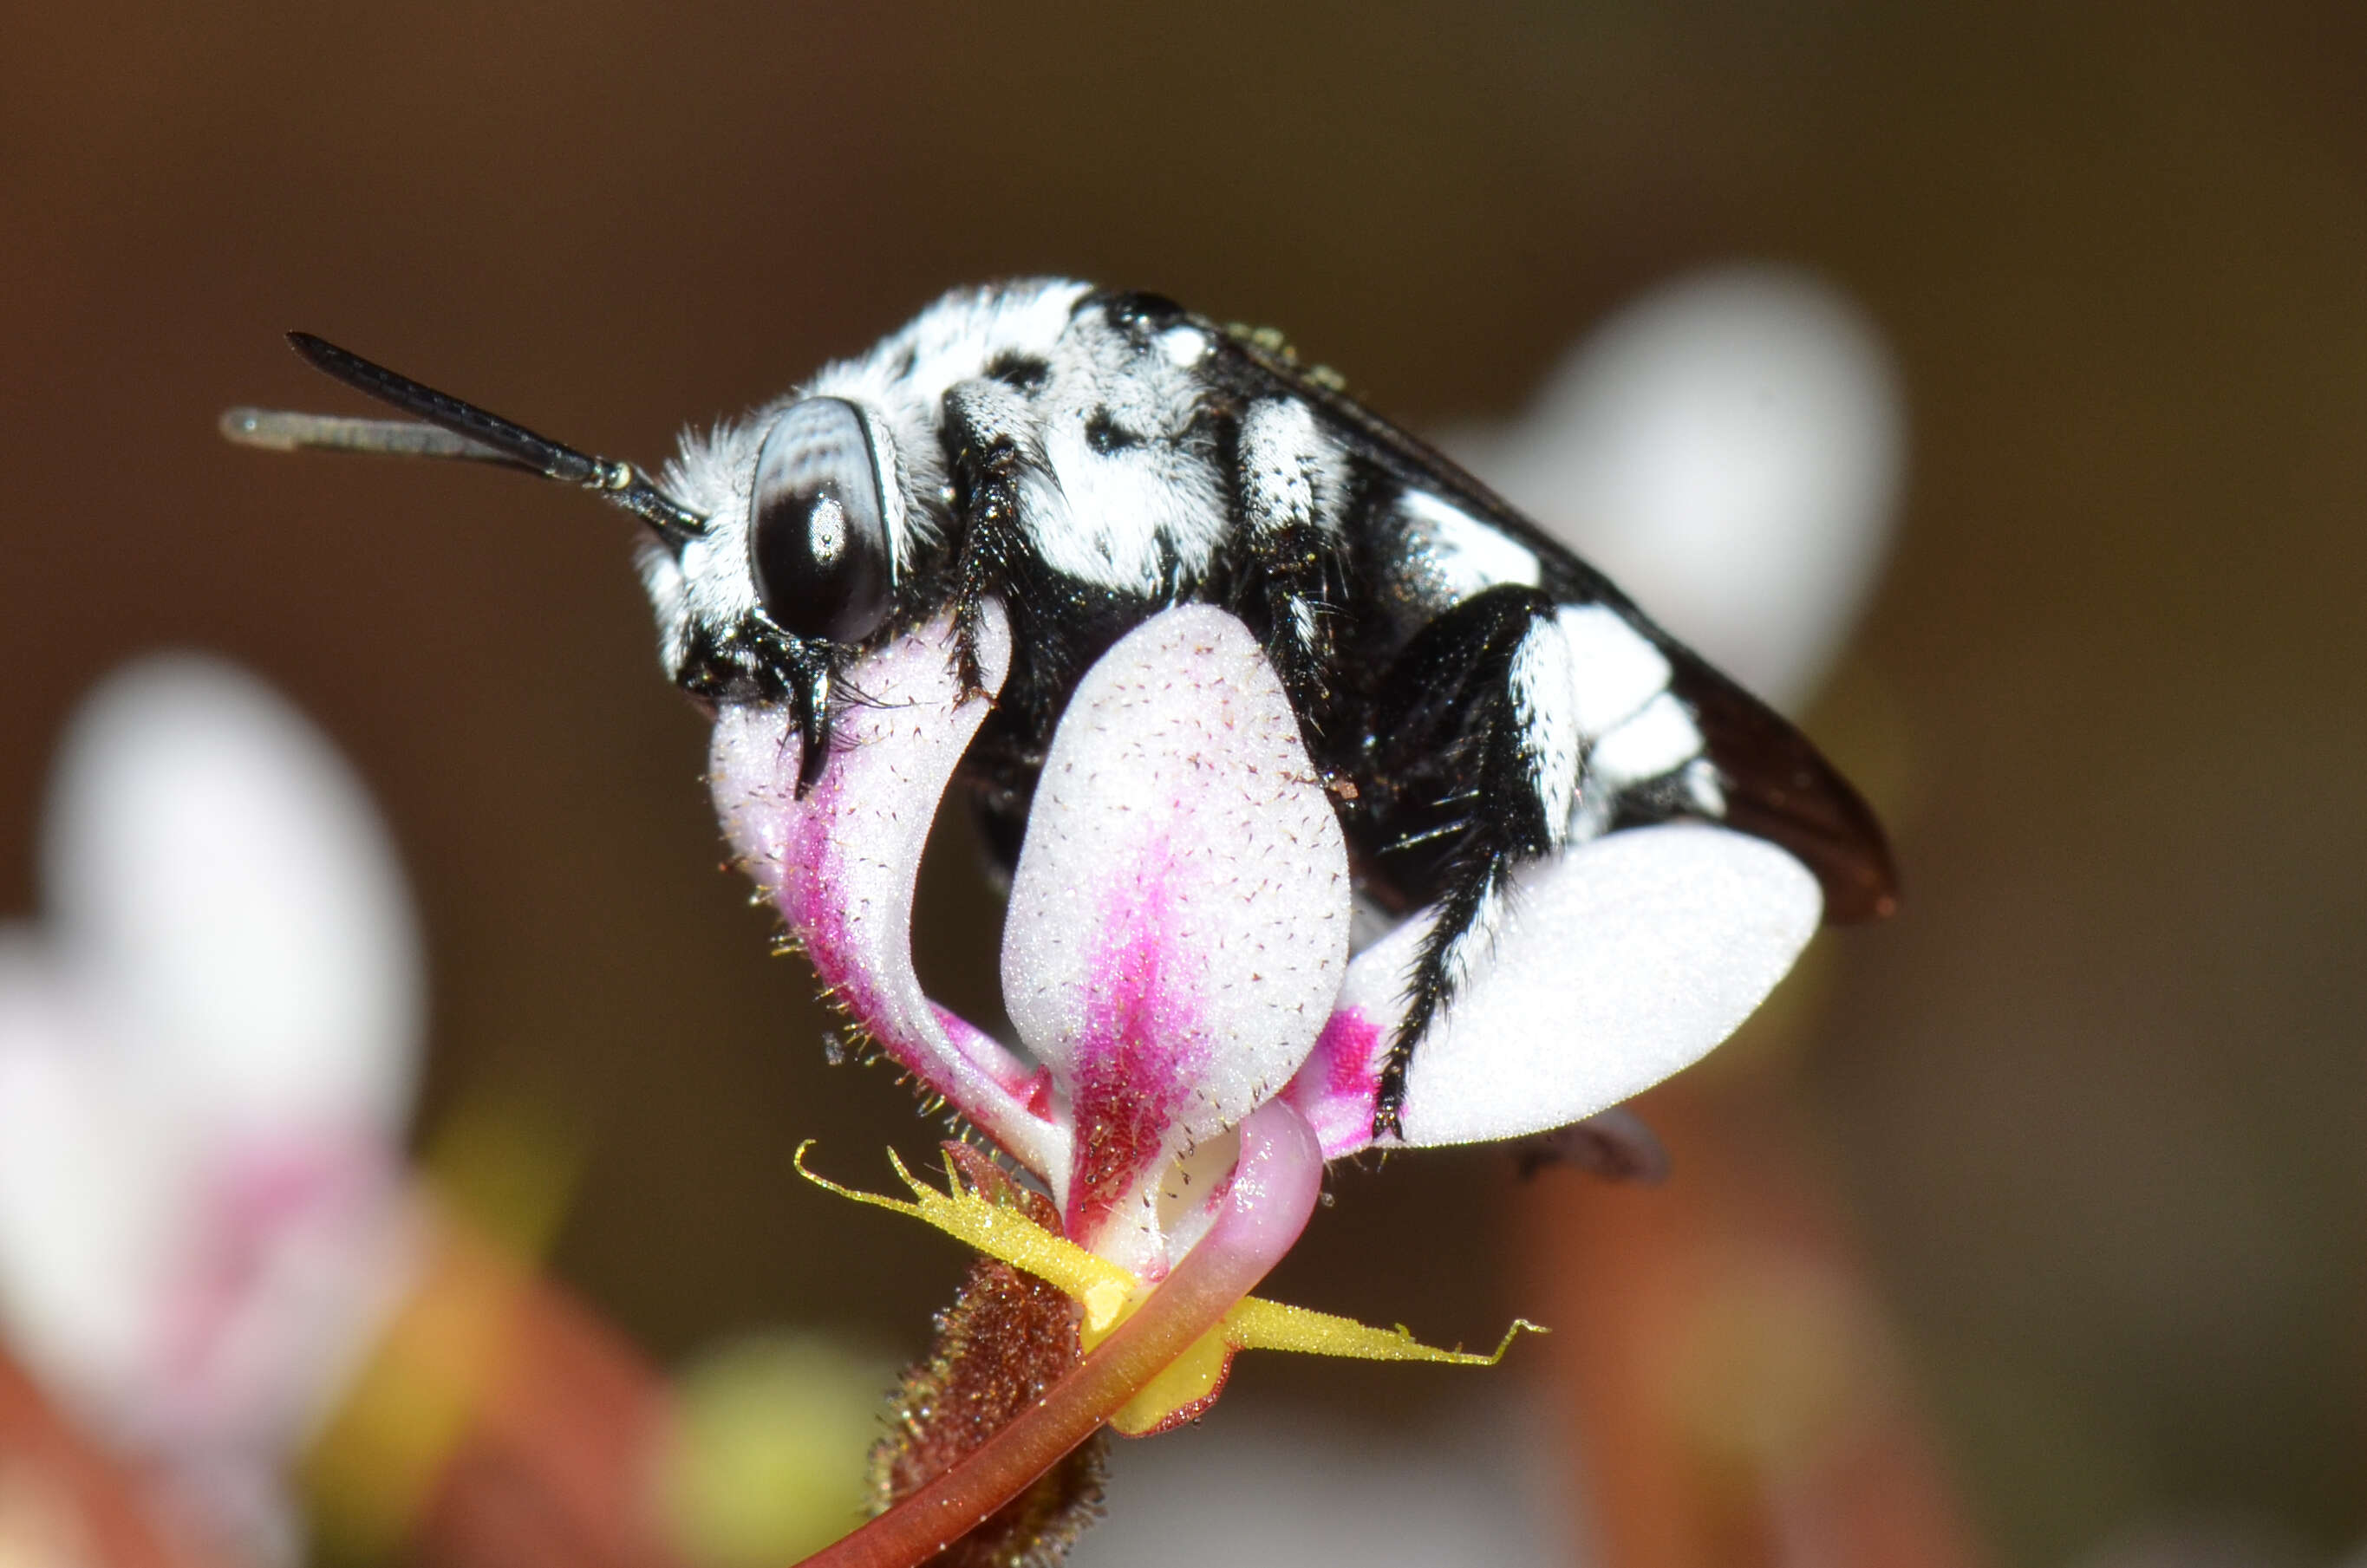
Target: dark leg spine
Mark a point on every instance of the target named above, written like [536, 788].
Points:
[1451, 794]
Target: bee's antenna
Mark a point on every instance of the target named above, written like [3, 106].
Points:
[276, 430]
[454, 429]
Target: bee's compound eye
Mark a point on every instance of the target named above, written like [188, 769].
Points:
[818, 535]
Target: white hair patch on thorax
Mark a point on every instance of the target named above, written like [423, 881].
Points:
[954, 340]
[1462, 555]
[1541, 681]
[1288, 465]
[1661, 738]
[1123, 520]
[1615, 669]
[1126, 495]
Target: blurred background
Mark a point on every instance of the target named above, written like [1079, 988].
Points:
[2091, 1109]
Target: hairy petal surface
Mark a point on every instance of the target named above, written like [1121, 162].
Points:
[841, 863]
[1179, 920]
[1617, 962]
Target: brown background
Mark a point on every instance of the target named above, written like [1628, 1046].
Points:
[2098, 1099]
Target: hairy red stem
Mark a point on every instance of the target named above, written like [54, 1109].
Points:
[1273, 1193]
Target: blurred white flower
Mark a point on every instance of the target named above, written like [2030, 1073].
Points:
[207, 1053]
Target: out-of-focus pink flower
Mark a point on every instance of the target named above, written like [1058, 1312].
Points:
[207, 1050]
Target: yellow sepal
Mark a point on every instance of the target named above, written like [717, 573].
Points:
[1109, 1295]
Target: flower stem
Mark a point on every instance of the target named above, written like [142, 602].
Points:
[101, 1513]
[1273, 1193]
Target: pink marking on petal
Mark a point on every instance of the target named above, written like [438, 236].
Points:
[1031, 1087]
[259, 1201]
[1178, 927]
[813, 898]
[1340, 1085]
[1347, 1047]
[1140, 1049]
[839, 864]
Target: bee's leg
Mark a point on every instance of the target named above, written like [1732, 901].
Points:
[984, 424]
[1298, 559]
[1470, 767]
[989, 453]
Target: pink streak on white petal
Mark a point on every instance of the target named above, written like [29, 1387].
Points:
[1139, 1053]
[252, 1198]
[1179, 919]
[841, 864]
[1340, 1084]
[295, 1251]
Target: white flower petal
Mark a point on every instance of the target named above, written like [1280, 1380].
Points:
[219, 878]
[95, 1187]
[1625, 959]
[841, 864]
[1179, 920]
[198, 1293]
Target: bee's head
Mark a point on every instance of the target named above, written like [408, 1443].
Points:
[805, 548]
[775, 547]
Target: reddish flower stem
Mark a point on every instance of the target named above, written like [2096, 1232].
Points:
[106, 1507]
[1273, 1193]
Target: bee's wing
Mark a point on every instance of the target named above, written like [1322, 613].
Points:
[1776, 785]
[1779, 787]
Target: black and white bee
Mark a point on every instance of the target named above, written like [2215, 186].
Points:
[1475, 695]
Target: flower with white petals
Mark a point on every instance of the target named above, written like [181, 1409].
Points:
[1176, 952]
[207, 1051]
